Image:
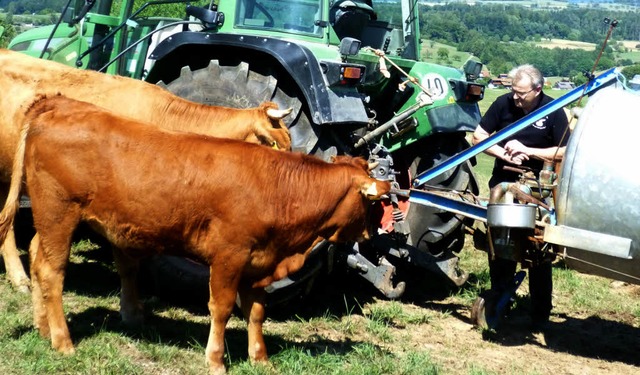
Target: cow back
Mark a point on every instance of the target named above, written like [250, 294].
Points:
[24, 78]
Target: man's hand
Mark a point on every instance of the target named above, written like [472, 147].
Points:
[516, 152]
[516, 147]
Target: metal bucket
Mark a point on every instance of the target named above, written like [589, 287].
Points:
[599, 188]
[511, 215]
[510, 224]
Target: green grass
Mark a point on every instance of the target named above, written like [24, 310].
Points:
[367, 336]
[631, 55]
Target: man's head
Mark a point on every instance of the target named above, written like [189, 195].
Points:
[526, 86]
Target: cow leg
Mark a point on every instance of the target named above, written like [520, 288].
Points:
[130, 307]
[252, 303]
[49, 267]
[39, 312]
[223, 286]
[50, 260]
[12, 263]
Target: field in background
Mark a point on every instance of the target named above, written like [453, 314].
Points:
[429, 53]
[429, 50]
[554, 4]
[632, 53]
[569, 44]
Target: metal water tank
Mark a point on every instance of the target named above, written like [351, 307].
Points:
[599, 189]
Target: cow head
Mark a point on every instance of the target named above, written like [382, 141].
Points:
[278, 132]
[352, 215]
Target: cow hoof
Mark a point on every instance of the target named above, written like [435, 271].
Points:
[44, 331]
[217, 370]
[66, 349]
[23, 286]
[132, 319]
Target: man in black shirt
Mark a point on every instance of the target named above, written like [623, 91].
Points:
[545, 139]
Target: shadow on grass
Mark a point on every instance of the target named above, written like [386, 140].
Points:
[187, 334]
[591, 337]
[595, 337]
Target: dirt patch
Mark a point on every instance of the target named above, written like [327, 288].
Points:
[631, 44]
[571, 345]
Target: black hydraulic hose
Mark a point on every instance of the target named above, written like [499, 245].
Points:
[88, 4]
[145, 37]
[55, 27]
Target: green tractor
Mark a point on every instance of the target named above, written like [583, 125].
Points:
[350, 70]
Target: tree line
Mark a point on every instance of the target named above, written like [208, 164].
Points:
[503, 36]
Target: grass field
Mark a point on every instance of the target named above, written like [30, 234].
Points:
[429, 52]
[345, 328]
[632, 52]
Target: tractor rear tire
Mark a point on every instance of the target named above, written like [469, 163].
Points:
[437, 231]
[242, 86]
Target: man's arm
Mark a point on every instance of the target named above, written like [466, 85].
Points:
[549, 153]
[498, 151]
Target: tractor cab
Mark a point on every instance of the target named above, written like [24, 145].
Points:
[349, 18]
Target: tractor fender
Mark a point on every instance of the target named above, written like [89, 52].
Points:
[326, 106]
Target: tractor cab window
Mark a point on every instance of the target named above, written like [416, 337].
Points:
[380, 24]
[290, 16]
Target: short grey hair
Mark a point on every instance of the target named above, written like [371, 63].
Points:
[527, 70]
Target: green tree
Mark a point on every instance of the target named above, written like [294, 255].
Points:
[443, 53]
[631, 71]
[8, 34]
[579, 79]
[164, 10]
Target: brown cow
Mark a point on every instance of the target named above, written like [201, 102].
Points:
[24, 78]
[251, 213]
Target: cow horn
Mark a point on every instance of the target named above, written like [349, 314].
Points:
[278, 114]
[373, 165]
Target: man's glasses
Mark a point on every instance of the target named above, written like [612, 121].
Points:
[520, 95]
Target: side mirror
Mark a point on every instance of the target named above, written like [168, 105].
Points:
[211, 18]
[67, 17]
[472, 69]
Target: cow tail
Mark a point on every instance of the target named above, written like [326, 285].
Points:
[12, 204]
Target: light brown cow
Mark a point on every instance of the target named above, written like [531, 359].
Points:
[251, 213]
[23, 78]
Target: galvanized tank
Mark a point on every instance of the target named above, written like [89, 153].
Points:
[599, 189]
